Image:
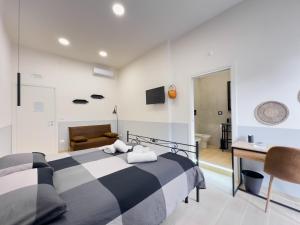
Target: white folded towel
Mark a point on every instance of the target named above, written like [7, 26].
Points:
[120, 146]
[136, 157]
[110, 149]
[140, 149]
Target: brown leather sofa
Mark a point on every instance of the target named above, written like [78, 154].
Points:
[85, 137]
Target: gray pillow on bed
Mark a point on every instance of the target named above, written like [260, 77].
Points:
[28, 197]
[22, 161]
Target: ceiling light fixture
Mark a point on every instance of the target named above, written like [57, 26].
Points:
[103, 54]
[118, 9]
[64, 41]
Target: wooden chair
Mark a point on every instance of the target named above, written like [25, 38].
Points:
[283, 163]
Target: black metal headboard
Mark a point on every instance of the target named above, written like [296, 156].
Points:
[175, 147]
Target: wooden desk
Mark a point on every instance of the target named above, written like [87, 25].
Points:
[244, 150]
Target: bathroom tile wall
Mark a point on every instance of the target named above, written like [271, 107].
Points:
[211, 98]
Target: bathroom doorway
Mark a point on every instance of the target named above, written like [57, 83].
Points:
[212, 120]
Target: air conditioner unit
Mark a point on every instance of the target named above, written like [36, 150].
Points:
[103, 72]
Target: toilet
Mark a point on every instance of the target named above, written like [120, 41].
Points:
[204, 138]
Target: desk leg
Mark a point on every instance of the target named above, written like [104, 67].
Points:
[235, 190]
[241, 168]
[233, 181]
[186, 200]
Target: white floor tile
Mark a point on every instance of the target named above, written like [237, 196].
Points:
[218, 207]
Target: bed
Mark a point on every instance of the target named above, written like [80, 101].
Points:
[101, 188]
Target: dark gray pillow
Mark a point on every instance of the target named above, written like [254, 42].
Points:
[22, 161]
[28, 197]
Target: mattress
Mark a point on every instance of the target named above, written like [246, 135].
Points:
[101, 188]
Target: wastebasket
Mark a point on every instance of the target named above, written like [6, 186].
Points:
[253, 181]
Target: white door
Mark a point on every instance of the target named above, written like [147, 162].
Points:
[36, 124]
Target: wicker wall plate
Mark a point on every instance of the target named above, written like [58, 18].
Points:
[271, 113]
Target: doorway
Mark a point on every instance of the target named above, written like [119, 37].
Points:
[36, 122]
[212, 120]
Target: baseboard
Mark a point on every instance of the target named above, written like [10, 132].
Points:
[215, 168]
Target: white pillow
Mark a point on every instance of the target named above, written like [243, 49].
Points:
[121, 146]
[110, 149]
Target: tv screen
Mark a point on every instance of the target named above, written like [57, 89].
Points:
[155, 96]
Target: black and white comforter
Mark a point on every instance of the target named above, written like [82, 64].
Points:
[28, 197]
[22, 161]
[100, 188]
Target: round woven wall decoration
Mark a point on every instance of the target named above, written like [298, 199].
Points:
[271, 113]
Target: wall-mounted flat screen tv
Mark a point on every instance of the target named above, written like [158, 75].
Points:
[155, 96]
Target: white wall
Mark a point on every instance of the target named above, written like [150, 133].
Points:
[5, 76]
[260, 41]
[150, 71]
[5, 89]
[257, 38]
[71, 80]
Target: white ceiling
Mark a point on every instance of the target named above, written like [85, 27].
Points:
[91, 26]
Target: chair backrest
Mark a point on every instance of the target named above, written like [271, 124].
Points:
[284, 163]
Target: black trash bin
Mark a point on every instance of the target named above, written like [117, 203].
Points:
[253, 181]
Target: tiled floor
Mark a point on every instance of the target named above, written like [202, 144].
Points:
[218, 207]
[216, 156]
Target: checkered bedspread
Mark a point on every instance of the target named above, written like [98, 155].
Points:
[100, 188]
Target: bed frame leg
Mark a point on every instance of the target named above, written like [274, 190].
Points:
[197, 194]
[186, 200]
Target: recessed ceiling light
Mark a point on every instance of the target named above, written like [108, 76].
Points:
[64, 41]
[118, 9]
[103, 54]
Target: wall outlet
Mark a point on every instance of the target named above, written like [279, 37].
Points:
[37, 76]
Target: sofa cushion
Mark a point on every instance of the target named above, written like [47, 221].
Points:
[121, 146]
[93, 143]
[100, 140]
[110, 135]
[79, 139]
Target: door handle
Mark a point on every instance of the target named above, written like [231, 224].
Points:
[51, 123]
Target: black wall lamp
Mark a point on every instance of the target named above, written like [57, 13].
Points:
[19, 74]
[116, 113]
